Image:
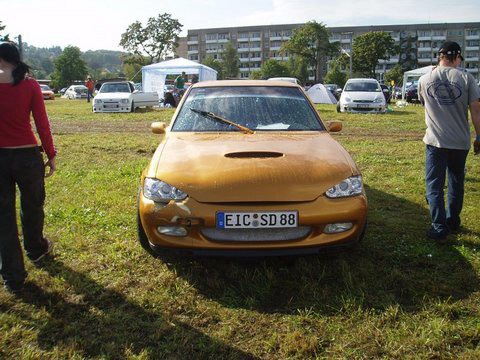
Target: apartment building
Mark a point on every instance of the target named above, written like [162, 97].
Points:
[419, 43]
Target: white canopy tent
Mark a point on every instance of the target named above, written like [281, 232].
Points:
[413, 75]
[321, 95]
[154, 75]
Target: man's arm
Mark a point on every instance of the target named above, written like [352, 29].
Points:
[475, 113]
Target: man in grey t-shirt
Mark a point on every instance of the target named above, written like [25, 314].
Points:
[447, 93]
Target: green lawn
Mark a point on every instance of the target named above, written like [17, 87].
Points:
[396, 295]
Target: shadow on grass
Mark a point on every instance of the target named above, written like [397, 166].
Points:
[95, 322]
[395, 265]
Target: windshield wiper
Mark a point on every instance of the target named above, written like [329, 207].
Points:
[213, 116]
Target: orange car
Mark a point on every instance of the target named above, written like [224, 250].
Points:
[248, 168]
[47, 92]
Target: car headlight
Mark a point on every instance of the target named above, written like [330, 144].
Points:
[160, 191]
[349, 187]
[98, 101]
[347, 99]
[378, 100]
[124, 101]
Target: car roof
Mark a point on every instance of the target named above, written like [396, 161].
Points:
[230, 83]
[362, 79]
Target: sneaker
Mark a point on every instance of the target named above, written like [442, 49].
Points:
[45, 253]
[14, 288]
[440, 238]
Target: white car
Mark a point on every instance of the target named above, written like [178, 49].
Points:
[121, 96]
[76, 92]
[362, 95]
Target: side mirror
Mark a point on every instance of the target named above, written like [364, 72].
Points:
[334, 126]
[158, 127]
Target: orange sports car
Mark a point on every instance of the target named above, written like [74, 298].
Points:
[47, 92]
[248, 168]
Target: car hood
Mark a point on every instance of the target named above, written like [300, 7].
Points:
[257, 167]
[112, 96]
[362, 95]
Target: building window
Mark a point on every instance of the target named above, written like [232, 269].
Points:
[255, 34]
[193, 57]
[192, 47]
[243, 35]
[193, 38]
[211, 37]
[472, 32]
[224, 36]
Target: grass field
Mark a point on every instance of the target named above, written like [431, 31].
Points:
[396, 295]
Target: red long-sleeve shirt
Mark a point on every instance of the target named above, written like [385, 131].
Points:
[16, 104]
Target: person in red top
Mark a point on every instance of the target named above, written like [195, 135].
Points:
[21, 164]
[90, 88]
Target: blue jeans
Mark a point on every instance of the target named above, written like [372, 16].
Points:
[440, 163]
[25, 168]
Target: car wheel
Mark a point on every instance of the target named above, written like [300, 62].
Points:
[338, 107]
[142, 237]
[132, 109]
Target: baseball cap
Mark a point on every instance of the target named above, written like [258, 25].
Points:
[451, 48]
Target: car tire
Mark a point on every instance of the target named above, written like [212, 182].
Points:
[132, 109]
[142, 236]
[338, 107]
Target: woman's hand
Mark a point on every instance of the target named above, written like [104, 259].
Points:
[51, 166]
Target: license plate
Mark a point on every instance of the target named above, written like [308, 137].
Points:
[110, 106]
[363, 105]
[256, 220]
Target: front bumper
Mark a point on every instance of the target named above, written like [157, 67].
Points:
[112, 107]
[363, 108]
[197, 217]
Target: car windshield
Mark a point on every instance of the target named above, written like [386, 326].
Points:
[80, 89]
[260, 108]
[44, 87]
[115, 88]
[367, 86]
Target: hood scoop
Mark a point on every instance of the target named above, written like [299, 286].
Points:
[253, 155]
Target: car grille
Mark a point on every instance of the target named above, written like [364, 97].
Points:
[256, 235]
[363, 101]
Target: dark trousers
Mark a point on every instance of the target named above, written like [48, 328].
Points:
[441, 163]
[89, 95]
[25, 168]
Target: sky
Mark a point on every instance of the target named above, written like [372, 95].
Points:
[99, 24]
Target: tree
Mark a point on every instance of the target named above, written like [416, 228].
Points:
[311, 42]
[369, 48]
[4, 37]
[231, 61]
[132, 66]
[335, 75]
[274, 68]
[214, 64]
[157, 39]
[69, 67]
[298, 68]
[395, 74]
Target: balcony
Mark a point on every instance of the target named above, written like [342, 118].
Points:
[244, 69]
[243, 49]
[472, 37]
[223, 40]
[256, 38]
[256, 49]
[211, 41]
[424, 38]
[427, 60]
[192, 42]
[472, 58]
[345, 41]
[211, 51]
[424, 49]
[256, 59]
[244, 60]
[192, 52]
[472, 70]
[275, 38]
[242, 39]
[275, 48]
[439, 38]
[468, 48]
